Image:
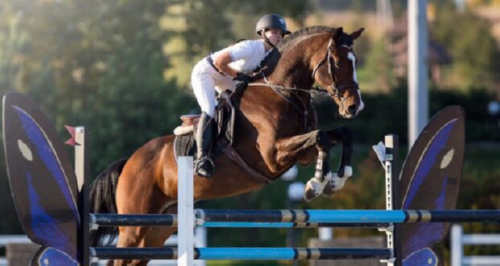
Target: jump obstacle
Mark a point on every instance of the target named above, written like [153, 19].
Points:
[50, 199]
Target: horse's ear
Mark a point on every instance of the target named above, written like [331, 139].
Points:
[336, 36]
[357, 33]
[338, 32]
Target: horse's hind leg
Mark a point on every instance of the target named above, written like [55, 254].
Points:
[144, 237]
[137, 193]
[157, 236]
[131, 236]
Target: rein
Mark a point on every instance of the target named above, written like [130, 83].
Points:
[279, 89]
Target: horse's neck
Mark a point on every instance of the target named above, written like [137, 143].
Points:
[294, 66]
[292, 72]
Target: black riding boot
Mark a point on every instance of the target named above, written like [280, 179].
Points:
[205, 135]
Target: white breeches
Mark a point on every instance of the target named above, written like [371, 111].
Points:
[205, 81]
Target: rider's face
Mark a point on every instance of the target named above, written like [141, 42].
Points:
[274, 35]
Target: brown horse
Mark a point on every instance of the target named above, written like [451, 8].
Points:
[276, 128]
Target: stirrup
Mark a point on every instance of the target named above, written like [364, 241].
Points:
[204, 166]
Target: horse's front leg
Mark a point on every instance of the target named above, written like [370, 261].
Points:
[324, 180]
[338, 179]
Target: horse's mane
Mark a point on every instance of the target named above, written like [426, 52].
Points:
[269, 62]
[292, 39]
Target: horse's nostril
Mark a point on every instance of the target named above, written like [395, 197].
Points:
[352, 109]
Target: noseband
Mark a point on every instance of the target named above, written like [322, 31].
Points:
[331, 62]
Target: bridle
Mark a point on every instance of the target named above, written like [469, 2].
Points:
[336, 88]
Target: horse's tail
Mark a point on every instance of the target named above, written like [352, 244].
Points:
[102, 200]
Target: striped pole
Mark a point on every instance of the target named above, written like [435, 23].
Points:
[349, 216]
[300, 218]
[96, 219]
[244, 253]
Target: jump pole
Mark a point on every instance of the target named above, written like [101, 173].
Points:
[387, 153]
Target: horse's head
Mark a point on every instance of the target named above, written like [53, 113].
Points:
[336, 71]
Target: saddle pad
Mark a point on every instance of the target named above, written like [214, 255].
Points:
[184, 145]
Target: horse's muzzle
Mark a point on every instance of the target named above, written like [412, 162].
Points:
[352, 109]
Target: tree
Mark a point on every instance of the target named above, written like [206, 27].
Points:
[471, 45]
[200, 27]
[377, 74]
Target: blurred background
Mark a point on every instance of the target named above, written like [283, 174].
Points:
[121, 68]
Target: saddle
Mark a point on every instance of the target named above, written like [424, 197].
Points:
[225, 119]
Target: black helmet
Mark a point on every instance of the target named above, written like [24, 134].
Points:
[271, 21]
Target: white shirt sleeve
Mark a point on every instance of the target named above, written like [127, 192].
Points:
[242, 50]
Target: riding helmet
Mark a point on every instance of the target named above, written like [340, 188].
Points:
[271, 21]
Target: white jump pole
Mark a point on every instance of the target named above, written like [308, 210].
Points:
[80, 156]
[185, 211]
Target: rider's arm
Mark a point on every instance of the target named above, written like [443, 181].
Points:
[242, 50]
[222, 62]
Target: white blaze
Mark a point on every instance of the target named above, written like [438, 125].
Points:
[351, 56]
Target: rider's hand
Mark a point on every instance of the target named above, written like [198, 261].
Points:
[243, 77]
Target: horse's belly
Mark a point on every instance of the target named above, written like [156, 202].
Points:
[228, 180]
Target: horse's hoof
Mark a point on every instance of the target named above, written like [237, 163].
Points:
[309, 195]
[313, 189]
[329, 190]
[346, 173]
[330, 185]
[336, 183]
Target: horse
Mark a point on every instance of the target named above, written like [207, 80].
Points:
[276, 128]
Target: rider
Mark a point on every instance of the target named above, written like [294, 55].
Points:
[222, 70]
